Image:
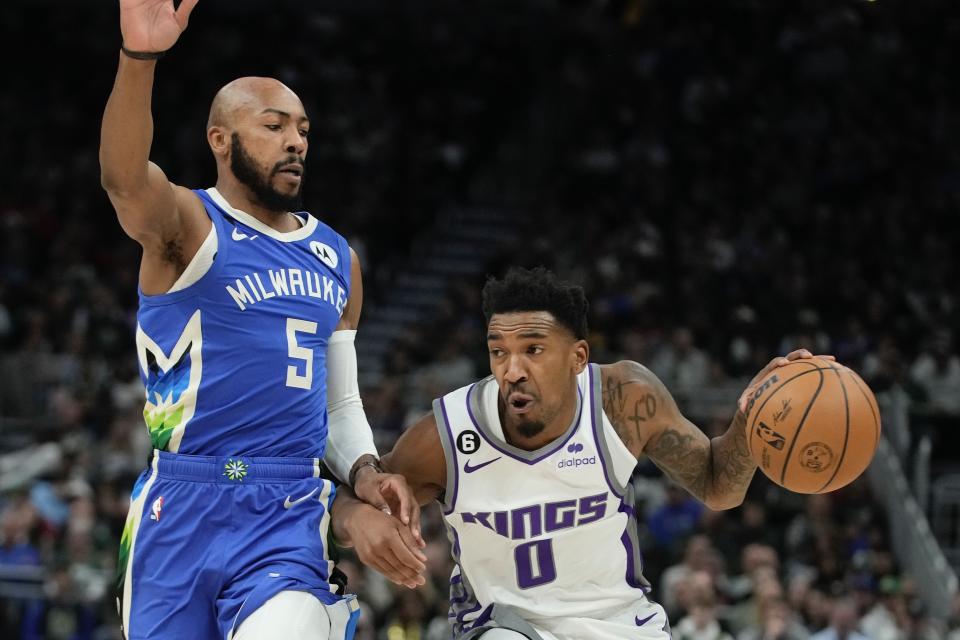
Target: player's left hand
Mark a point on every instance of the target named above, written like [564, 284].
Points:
[385, 544]
[390, 493]
[799, 354]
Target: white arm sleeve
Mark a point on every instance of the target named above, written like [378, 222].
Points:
[348, 432]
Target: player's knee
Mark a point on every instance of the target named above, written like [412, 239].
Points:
[291, 615]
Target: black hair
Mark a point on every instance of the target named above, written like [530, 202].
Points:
[538, 289]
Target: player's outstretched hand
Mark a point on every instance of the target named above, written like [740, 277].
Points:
[153, 25]
[799, 354]
[385, 543]
[390, 493]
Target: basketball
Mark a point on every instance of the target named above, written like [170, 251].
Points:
[813, 426]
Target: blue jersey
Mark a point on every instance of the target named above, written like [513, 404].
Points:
[236, 362]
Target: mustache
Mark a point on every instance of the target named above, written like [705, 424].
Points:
[518, 388]
[289, 160]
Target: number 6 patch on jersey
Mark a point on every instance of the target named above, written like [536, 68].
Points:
[468, 442]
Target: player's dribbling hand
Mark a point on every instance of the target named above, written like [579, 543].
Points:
[798, 354]
[390, 493]
[153, 25]
[386, 544]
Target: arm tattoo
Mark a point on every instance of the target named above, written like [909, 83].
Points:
[716, 472]
[685, 458]
[627, 415]
[614, 405]
[733, 466]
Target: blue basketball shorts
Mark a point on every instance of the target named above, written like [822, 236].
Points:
[209, 539]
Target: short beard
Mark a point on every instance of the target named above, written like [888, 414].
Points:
[247, 172]
[531, 428]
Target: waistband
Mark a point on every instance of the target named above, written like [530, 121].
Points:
[233, 469]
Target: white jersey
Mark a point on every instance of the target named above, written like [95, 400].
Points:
[546, 537]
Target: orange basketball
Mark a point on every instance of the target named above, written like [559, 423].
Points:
[813, 426]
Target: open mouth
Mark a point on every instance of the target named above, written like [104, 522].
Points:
[520, 402]
[292, 170]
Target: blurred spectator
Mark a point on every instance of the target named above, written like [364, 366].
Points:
[843, 623]
[701, 622]
[763, 606]
[675, 519]
[754, 527]
[680, 364]
[805, 527]
[699, 556]
[886, 619]
[777, 622]
[754, 558]
[937, 370]
[20, 575]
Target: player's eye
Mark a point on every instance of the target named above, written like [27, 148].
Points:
[535, 349]
[496, 353]
[273, 127]
[304, 133]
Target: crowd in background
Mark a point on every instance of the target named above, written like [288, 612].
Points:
[728, 183]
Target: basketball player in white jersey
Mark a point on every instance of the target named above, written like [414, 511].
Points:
[532, 467]
[245, 330]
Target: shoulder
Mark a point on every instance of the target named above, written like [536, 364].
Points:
[635, 401]
[626, 369]
[627, 376]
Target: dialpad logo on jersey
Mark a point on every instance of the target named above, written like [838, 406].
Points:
[156, 509]
[538, 519]
[574, 462]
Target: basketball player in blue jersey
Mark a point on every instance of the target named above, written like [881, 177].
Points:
[244, 337]
[532, 468]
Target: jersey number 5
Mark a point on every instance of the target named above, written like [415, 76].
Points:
[296, 352]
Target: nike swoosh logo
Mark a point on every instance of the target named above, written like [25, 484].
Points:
[640, 622]
[239, 235]
[289, 503]
[468, 469]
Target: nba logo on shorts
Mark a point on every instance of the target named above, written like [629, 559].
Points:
[157, 507]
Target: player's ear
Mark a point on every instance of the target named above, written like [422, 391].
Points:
[219, 140]
[580, 355]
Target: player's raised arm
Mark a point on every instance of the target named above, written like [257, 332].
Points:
[167, 220]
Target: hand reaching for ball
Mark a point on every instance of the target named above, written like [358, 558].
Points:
[781, 361]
